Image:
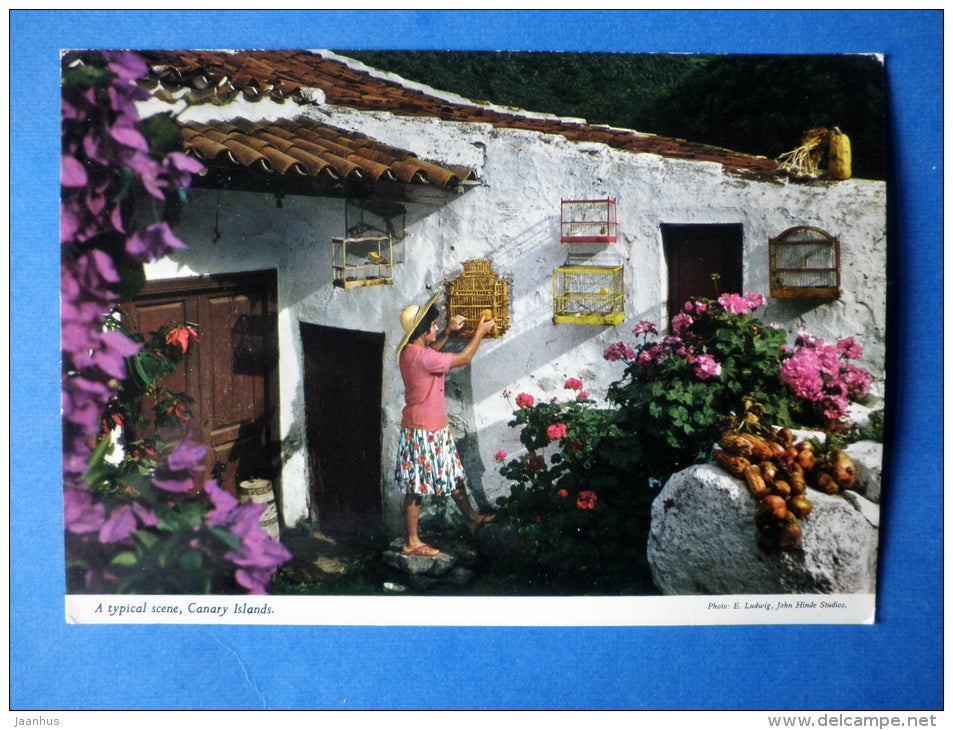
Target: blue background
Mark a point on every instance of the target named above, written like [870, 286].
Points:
[895, 664]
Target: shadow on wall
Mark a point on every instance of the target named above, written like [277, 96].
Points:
[294, 445]
[790, 310]
[533, 341]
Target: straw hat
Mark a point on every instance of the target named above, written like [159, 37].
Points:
[411, 317]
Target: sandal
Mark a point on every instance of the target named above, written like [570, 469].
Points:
[480, 520]
[421, 551]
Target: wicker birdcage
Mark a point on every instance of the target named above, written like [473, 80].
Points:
[588, 295]
[804, 262]
[363, 261]
[476, 290]
[588, 221]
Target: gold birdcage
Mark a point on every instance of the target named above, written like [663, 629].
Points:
[476, 290]
[363, 261]
[804, 262]
[588, 295]
[588, 221]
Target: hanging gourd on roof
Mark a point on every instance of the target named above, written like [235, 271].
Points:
[821, 150]
[838, 164]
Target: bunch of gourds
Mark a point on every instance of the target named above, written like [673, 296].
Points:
[778, 470]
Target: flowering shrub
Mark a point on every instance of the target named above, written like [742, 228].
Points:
[677, 392]
[580, 497]
[575, 499]
[820, 373]
[133, 526]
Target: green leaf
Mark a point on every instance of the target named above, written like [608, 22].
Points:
[145, 538]
[226, 537]
[163, 133]
[99, 469]
[87, 75]
[191, 560]
[127, 558]
[184, 518]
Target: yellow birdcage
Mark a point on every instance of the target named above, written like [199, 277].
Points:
[588, 295]
[363, 261]
[476, 290]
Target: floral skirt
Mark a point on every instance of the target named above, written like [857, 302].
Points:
[428, 462]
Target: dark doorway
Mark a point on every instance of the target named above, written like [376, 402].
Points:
[343, 372]
[232, 373]
[704, 260]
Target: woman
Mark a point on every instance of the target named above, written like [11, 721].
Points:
[427, 458]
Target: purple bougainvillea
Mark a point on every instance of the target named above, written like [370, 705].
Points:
[120, 526]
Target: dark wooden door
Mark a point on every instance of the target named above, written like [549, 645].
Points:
[704, 260]
[342, 393]
[232, 374]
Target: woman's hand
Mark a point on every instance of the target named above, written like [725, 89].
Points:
[466, 354]
[485, 325]
[455, 323]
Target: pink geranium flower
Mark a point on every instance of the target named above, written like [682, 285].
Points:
[818, 372]
[680, 323]
[556, 431]
[850, 348]
[705, 367]
[525, 400]
[500, 455]
[754, 300]
[645, 327]
[734, 303]
[573, 384]
[618, 351]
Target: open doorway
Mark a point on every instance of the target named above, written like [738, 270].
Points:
[343, 373]
[696, 254]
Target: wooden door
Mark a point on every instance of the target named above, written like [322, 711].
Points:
[694, 254]
[232, 373]
[342, 394]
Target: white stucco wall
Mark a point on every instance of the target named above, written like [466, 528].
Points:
[513, 220]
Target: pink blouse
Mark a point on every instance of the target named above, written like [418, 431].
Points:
[424, 371]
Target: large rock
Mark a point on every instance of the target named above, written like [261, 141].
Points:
[868, 456]
[703, 540]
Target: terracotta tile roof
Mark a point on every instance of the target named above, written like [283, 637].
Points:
[219, 76]
[303, 148]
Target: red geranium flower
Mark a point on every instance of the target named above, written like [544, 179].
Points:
[586, 500]
[536, 462]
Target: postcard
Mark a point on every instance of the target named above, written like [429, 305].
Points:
[348, 339]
